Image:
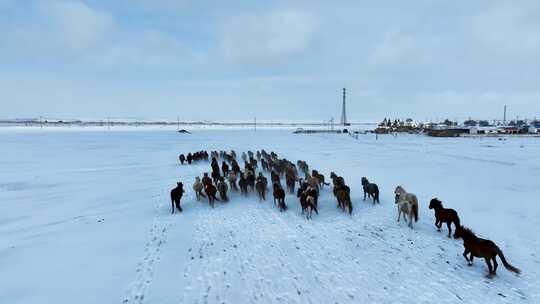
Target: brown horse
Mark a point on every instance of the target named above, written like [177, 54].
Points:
[279, 196]
[222, 189]
[344, 199]
[477, 247]
[319, 177]
[443, 215]
[307, 202]
[211, 193]
[290, 181]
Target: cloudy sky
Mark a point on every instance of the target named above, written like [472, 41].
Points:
[276, 60]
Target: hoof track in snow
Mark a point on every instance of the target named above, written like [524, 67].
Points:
[152, 251]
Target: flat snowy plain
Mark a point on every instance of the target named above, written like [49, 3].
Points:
[85, 218]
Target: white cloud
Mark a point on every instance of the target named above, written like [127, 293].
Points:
[267, 37]
[394, 47]
[75, 25]
[146, 48]
[508, 28]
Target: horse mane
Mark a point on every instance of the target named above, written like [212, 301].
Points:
[468, 231]
[437, 202]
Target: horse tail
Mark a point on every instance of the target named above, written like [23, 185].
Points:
[315, 208]
[377, 194]
[350, 207]
[505, 263]
[415, 212]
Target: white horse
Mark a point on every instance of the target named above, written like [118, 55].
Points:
[407, 203]
[198, 187]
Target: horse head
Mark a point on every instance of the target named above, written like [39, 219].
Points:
[364, 181]
[435, 204]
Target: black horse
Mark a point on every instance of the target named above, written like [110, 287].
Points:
[176, 196]
[182, 158]
[279, 196]
[370, 190]
[443, 215]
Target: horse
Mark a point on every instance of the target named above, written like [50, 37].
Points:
[344, 199]
[290, 181]
[313, 182]
[176, 196]
[198, 188]
[243, 184]
[232, 181]
[320, 178]
[279, 196]
[215, 176]
[211, 193]
[274, 177]
[482, 248]
[182, 158]
[225, 168]
[250, 178]
[308, 203]
[222, 189]
[370, 189]
[206, 180]
[407, 203]
[443, 215]
[261, 185]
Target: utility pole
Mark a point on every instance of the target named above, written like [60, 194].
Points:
[504, 116]
[343, 109]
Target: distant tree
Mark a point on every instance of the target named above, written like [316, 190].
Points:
[470, 123]
[483, 123]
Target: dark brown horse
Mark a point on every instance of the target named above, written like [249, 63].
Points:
[176, 196]
[243, 183]
[443, 215]
[481, 248]
[261, 185]
[279, 197]
[371, 190]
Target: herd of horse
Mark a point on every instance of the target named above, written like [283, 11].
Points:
[230, 177]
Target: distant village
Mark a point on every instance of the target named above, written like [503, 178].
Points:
[470, 127]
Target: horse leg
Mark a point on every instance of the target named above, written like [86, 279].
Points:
[172, 205]
[465, 252]
[490, 267]
[364, 194]
[449, 225]
[471, 257]
[410, 218]
[495, 264]
[399, 213]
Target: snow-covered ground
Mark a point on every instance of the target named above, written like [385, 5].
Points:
[85, 218]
